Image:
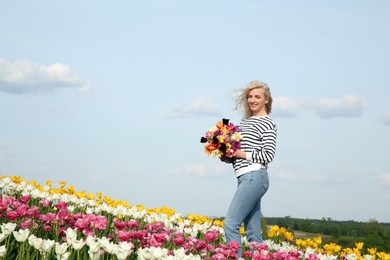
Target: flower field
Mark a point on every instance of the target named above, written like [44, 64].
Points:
[46, 222]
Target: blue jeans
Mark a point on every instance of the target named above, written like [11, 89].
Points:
[245, 207]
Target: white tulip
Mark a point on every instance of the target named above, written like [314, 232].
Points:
[159, 253]
[71, 235]
[2, 237]
[8, 228]
[71, 208]
[21, 235]
[47, 245]
[89, 210]
[144, 254]
[94, 244]
[122, 254]
[61, 248]
[107, 245]
[127, 246]
[181, 253]
[35, 242]
[94, 255]
[64, 256]
[77, 244]
[3, 251]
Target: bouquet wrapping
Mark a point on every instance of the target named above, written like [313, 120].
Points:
[222, 140]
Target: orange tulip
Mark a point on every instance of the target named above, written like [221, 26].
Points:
[219, 124]
[208, 148]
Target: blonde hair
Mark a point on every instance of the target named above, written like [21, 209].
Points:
[242, 99]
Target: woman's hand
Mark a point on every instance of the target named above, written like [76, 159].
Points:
[240, 154]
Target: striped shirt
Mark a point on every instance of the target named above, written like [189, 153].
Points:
[259, 143]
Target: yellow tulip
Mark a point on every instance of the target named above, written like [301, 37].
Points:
[90, 196]
[16, 179]
[62, 183]
[383, 255]
[71, 190]
[317, 240]
[332, 248]
[99, 194]
[242, 230]
[288, 236]
[79, 194]
[140, 207]
[371, 251]
[359, 245]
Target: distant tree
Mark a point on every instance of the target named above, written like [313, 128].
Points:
[284, 222]
[264, 228]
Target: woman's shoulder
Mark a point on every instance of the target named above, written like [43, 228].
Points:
[265, 121]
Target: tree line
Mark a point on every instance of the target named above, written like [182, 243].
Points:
[344, 233]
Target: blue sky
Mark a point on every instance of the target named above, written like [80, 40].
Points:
[114, 97]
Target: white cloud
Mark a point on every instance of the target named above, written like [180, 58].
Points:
[385, 179]
[29, 77]
[287, 107]
[200, 106]
[386, 118]
[347, 106]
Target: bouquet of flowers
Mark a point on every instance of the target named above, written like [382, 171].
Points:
[222, 140]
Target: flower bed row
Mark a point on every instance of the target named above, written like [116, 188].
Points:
[44, 222]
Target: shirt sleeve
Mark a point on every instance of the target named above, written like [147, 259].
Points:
[266, 153]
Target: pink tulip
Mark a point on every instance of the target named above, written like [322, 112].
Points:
[62, 206]
[218, 257]
[132, 224]
[12, 215]
[33, 212]
[211, 235]
[119, 224]
[46, 228]
[22, 210]
[44, 203]
[124, 235]
[27, 223]
[312, 257]
[99, 222]
[88, 232]
[200, 245]
[24, 199]
[160, 237]
[178, 241]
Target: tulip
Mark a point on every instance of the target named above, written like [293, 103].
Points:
[77, 244]
[71, 235]
[47, 245]
[35, 242]
[144, 254]
[94, 255]
[61, 248]
[64, 256]
[2, 237]
[108, 246]
[122, 254]
[94, 244]
[3, 251]
[8, 228]
[21, 235]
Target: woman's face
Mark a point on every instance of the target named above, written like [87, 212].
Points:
[256, 102]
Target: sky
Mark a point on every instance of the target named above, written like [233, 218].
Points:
[113, 97]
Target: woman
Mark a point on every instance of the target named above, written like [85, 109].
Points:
[251, 163]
